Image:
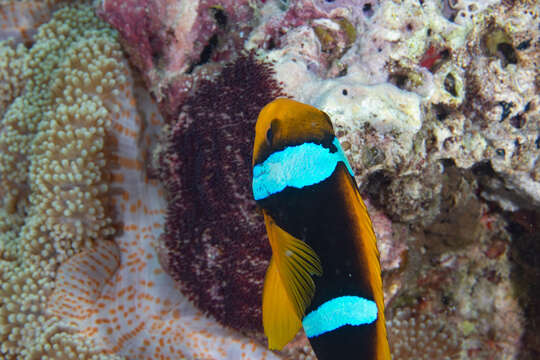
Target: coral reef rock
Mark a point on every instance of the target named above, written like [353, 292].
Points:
[435, 103]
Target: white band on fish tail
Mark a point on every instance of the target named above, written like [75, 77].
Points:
[338, 312]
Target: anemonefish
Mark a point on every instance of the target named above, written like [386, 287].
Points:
[324, 273]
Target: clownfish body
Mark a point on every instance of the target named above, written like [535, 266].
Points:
[324, 273]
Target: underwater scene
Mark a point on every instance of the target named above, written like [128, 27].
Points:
[270, 179]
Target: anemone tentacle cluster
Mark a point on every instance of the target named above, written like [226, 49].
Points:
[53, 172]
[416, 335]
[79, 215]
[215, 242]
[116, 294]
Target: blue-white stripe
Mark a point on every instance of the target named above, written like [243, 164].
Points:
[296, 166]
[338, 312]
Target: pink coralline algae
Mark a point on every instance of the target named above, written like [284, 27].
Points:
[168, 40]
[136, 21]
[215, 241]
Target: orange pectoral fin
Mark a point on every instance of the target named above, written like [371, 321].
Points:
[288, 286]
[280, 320]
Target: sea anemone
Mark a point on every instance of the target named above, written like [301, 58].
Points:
[79, 217]
[214, 237]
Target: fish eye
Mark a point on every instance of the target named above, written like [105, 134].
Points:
[271, 131]
[269, 136]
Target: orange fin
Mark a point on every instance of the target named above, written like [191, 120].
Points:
[280, 320]
[288, 286]
[367, 246]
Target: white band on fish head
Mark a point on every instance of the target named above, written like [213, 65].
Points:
[297, 167]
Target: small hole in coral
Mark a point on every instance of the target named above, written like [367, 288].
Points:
[450, 84]
[445, 300]
[271, 45]
[517, 144]
[500, 152]
[155, 46]
[507, 50]
[445, 54]
[206, 53]
[377, 183]
[409, 27]
[518, 121]
[220, 16]
[448, 163]
[524, 45]
[345, 92]
[441, 111]
[400, 80]
[506, 109]
[429, 32]
[483, 168]
[367, 9]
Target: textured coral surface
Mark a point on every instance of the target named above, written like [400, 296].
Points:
[80, 217]
[423, 96]
[435, 103]
[54, 172]
[168, 40]
[214, 237]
